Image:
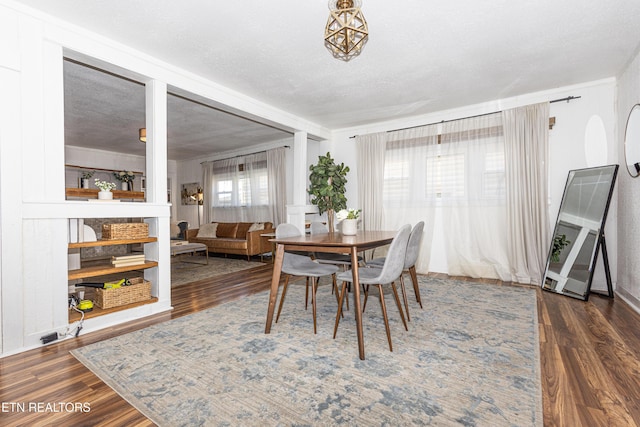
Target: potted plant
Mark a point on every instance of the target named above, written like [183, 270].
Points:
[84, 178]
[105, 189]
[126, 178]
[559, 242]
[327, 187]
[349, 221]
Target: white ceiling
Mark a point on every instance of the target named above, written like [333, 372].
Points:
[421, 57]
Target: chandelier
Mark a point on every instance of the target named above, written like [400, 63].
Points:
[346, 32]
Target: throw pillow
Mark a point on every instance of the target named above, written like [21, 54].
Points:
[208, 230]
[174, 230]
[257, 226]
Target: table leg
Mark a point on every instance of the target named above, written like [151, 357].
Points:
[356, 295]
[275, 281]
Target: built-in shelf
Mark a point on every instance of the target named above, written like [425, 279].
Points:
[101, 270]
[112, 242]
[74, 316]
[91, 193]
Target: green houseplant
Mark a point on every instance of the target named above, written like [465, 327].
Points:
[327, 187]
[559, 242]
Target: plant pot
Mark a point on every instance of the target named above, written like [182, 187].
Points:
[105, 195]
[331, 220]
[85, 182]
[349, 227]
[124, 185]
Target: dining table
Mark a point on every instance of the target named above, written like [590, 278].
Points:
[335, 242]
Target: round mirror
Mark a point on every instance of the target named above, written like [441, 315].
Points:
[632, 141]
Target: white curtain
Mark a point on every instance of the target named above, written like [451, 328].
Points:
[370, 151]
[236, 189]
[526, 132]
[276, 172]
[471, 193]
[405, 190]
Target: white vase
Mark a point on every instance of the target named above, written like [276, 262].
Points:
[85, 183]
[105, 195]
[124, 186]
[349, 227]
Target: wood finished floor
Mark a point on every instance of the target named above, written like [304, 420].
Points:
[590, 361]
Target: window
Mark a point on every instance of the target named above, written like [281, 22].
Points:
[445, 176]
[246, 186]
[457, 167]
[493, 178]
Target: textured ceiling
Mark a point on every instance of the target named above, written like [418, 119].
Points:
[422, 56]
[105, 112]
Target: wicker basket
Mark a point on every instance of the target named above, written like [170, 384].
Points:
[139, 290]
[125, 230]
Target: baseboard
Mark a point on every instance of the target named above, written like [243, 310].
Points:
[633, 302]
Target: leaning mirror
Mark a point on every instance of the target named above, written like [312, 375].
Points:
[632, 141]
[578, 236]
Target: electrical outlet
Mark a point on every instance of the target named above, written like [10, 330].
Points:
[49, 338]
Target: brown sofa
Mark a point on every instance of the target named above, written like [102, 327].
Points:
[238, 238]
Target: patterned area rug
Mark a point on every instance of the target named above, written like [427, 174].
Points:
[470, 358]
[186, 268]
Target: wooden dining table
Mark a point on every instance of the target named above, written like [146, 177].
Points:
[333, 243]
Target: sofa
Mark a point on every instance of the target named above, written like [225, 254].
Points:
[237, 238]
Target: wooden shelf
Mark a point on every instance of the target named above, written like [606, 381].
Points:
[91, 193]
[101, 270]
[74, 316]
[112, 242]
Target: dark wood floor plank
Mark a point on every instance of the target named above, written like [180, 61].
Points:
[589, 359]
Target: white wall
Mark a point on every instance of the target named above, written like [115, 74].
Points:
[628, 267]
[566, 141]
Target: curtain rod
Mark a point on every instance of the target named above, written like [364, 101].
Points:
[243, 155]
[568, 98]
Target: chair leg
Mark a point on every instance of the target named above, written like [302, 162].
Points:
[404, 297]
[395, 294]
[336, 291]
[284, 292]
[386, 318]
[314, 287]
[414, 279]
[339, 313]
[366, 296]
[306, 295]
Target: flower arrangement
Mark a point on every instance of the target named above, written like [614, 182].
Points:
[124, 176]
[348, 214]
[104, 185]
[87, 174]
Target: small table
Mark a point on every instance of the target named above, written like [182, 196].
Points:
[184, 247]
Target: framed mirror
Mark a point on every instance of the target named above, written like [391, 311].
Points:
[632, 142]
[578, 235]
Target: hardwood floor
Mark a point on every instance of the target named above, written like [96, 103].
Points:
[590, 362]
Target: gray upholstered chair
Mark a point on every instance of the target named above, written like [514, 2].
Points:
[389, 273]
[413, 250]
[301, 265]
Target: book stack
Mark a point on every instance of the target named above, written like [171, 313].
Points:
[127, 260]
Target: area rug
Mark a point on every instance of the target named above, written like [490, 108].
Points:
[470, 358]
[186, 268]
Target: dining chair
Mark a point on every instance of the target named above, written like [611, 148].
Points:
[301, 265]
[390, 271]
[413, 250]
[341, 260]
